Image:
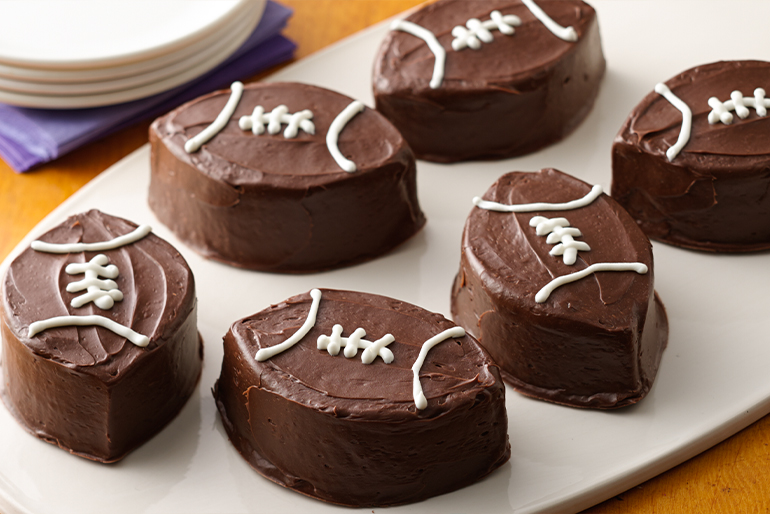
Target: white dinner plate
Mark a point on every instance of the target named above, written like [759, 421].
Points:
[713, 379]
[191, 51]
[215, 51]
[96, 99]
[77, 34]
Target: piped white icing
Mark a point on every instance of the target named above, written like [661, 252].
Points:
[546, 291]
[561, 234]
[720, 111]
[194, 143]
[280, 115]
[131, 237]
[475, 32]
[334, 342]
[539, 206]
[332, 136]
[378, 348]
[565, 33]
[419, 397]
[266, 353]
[104, 293]
[684, 133]
[433, 45]
[92, 320]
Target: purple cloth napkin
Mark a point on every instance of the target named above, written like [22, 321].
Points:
[29, 137]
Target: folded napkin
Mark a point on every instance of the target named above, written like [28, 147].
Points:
[29, 137]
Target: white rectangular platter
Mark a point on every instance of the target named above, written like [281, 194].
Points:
[713, 379]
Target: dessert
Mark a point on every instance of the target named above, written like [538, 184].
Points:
[487, 80]
[283, 177]
[556, 282]
[691, 161]
[100, 343]
[420, 411]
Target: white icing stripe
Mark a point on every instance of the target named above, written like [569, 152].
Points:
[720, 111]
[93, 320]
[540, 206]
[433, 44]
[546, 291]
[194, 143]
[332, 136]
[419, 397]
[567, 34]
[131, 237]
[266, 353]
[684, 133]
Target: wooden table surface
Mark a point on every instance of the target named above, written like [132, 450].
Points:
[732, 477]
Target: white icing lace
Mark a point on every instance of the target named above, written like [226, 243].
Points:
[280, 115]
[475, 32]
[720, 111]
[559, 232]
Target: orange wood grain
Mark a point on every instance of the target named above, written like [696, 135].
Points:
[733, 477]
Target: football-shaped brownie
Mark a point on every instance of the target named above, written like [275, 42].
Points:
[487, 80]
[556, 282]
[100, 342]
[691, 161]
[361, 400]
[283, 177]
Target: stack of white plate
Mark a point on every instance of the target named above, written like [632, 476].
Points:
[67, 54]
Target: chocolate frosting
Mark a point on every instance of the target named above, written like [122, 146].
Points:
[714, 195]
[88, 389]
[595, 342]
[339, 430]
[510, 97]
[270, 203]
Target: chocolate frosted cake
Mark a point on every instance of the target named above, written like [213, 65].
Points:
[420, 411]
[283, 177]
[556, 282]
[489, 79]
[100, 346]
[691, 162]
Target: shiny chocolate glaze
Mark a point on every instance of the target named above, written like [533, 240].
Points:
[87, 389]
[269, 203]
[715, 195]
[596, 342]
[512, 96]
[349, 433]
